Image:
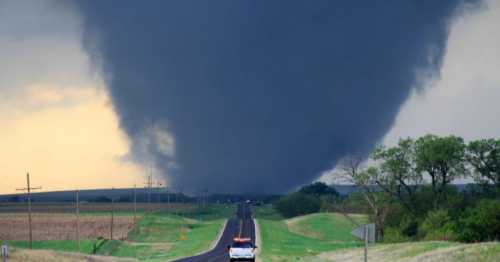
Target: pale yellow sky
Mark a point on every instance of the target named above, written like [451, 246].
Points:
[67, 138]
[56, 119]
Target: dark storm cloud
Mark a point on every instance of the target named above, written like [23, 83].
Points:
[262, 95]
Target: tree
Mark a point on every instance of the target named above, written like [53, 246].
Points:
[442, 158]
[365, 180]
[484, 157]
[398, 175]
[297, 204]
[319, 189]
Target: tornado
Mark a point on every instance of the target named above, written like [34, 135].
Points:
[260, 96]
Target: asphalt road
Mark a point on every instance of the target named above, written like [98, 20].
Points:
[240, 225]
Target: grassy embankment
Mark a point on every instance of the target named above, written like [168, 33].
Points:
[326, 237]
[157, 236]
[304, 237]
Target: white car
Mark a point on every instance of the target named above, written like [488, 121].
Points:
[242, 249]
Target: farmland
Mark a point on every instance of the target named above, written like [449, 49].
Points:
[62, 226]
[89, 207]
[169, 231]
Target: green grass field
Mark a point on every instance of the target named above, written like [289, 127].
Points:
[323, 237]
[161, 237]
[330, 227]
[158, 236]
[57, 245]
[304, 237]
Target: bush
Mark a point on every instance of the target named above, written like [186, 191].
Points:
[481, 223]
[394, 235]
[297, 204]
[409, 226]
[395, 215]
[436, 226]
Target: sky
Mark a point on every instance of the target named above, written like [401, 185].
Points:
[56, 119]
[233, 96]
[463, 100]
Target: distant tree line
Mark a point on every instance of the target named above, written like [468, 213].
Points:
[309, 199]
[407, 188]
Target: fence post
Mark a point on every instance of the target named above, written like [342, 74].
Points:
[5, 252]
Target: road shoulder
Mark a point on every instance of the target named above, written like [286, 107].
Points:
[258, 240]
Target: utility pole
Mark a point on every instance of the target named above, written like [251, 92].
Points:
[206, 197]
[135, 204]
[159, 191]
[175, 195]
[180, 194]
[28, 189]
[148, 188]
[150, 182]
[77, 205]
[112, 215]
[168, 196]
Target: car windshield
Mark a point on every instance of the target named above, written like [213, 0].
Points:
[242, 245]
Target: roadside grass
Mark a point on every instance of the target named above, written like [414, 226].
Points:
[420, 252]
[266, 212]
[300, 239]
[38, 255]
[210, 212]
[160, 237]
[279, 243]
[487, 252]
[326, 226]
[57, 245]
[159, 228]
[197, 240]
[424, 247]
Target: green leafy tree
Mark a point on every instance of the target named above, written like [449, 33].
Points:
[437, 226]
[325, 193]
[297, 204]
[398, 175]
[484, 157]
[319, 189]
[366, 180]
[442, 158]
[481, 223]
